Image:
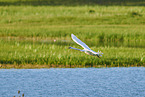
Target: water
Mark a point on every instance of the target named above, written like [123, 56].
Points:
[79, 82]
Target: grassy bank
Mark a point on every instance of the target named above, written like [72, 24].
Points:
[27, 35]
[54, 55]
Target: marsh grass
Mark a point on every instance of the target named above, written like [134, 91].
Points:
[113, 23]
[53, 55]
[27, 35]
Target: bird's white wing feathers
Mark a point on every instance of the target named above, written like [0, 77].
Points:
[79, 42]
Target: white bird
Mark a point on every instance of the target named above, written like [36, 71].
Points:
[86, 49]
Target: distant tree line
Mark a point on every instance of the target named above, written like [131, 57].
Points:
[72, 2]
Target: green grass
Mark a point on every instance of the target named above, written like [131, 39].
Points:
[106, 23]
[50, 53]
[80, 15]
[27, 34]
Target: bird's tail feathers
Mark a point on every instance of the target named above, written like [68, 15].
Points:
[100, 52]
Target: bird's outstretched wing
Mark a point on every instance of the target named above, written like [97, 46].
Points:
[79, 42]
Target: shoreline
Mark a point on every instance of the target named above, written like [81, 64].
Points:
[32, 66]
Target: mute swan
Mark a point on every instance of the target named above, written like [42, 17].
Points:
[86, 49]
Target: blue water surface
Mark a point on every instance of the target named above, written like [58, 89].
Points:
[69, 82]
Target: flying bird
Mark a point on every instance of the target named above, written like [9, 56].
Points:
[86, 49]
